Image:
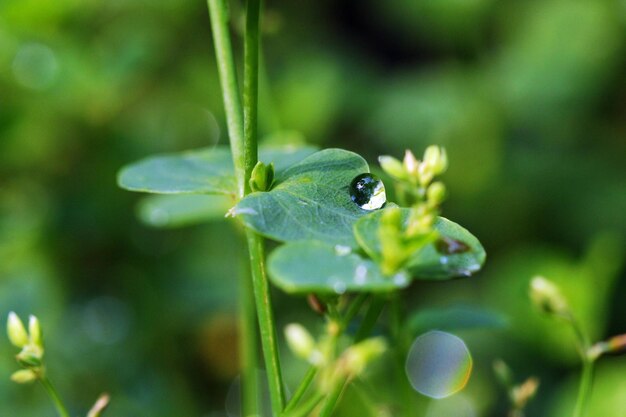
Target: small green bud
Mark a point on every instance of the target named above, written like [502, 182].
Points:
[34, 331]
[358, 356]
[24, 376]
[436, 159]
[262, 177]
[392, 166]
[16, 331]
[503, 373]
[547, 297]
[301, 342]
[436, 193]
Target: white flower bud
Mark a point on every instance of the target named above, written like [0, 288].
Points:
[547, 297]
[300, 341]
[16, 331]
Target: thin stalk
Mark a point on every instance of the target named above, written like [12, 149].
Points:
[584, 389]
[308, 378]
[586, 379]
[353, 310]
[333, 398]
[218, 11]
[255, 242]
[307, 408]
[266, 322]
[251, 88]
[369, 321]
[54, 396]
[248, 345]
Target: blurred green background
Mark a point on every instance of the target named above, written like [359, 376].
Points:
[529, 98]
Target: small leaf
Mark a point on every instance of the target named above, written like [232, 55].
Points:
[310, 200]
[203, 171]
[429, 262]
[316, 267]
[455, 318]
[170, 211]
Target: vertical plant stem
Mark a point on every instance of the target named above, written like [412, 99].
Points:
[251, 87]
[248, 344]
[266, 322]
[218, 11]
[58, 403]
[584, 389]
[255, 242]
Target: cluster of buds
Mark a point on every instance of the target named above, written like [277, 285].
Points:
[400, 238]
[31, 343]
[351, 363]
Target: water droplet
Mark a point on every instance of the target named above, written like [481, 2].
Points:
[439, 364]
[449, 246]
[339, 287]
[341, 250]
[360, 275]
[368, 192]
[443, 260]
[400, 279]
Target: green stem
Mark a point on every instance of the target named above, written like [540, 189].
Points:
[255, 242]
[218, 11]
[369, 321]
[251, 88]
[266, 321]
[54, 396]
[307, 408]
[584, 389]
[333, 398]
[308, 378]
[248, 345]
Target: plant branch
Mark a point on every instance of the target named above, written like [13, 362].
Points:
[218, 11]
[584, 389]
[58, 403]
[266, 321]
[248, 344]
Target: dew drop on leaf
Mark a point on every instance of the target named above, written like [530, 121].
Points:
[439, 364]
[368, 192]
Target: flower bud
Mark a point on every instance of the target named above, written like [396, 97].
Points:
[411, 164]
[392, 166]
[358, 356]
[436, 159]
[101, 403]
[16, 331]
[436, 193]
[615, 344]
[262, 177]
[34, 331]
[23, 376]
[300, 341]
[547, 297]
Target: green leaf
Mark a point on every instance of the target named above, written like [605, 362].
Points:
[427, 263]
[455, 318]
[310, 200]
[311, 266]
[170, 211]
[203, 171]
